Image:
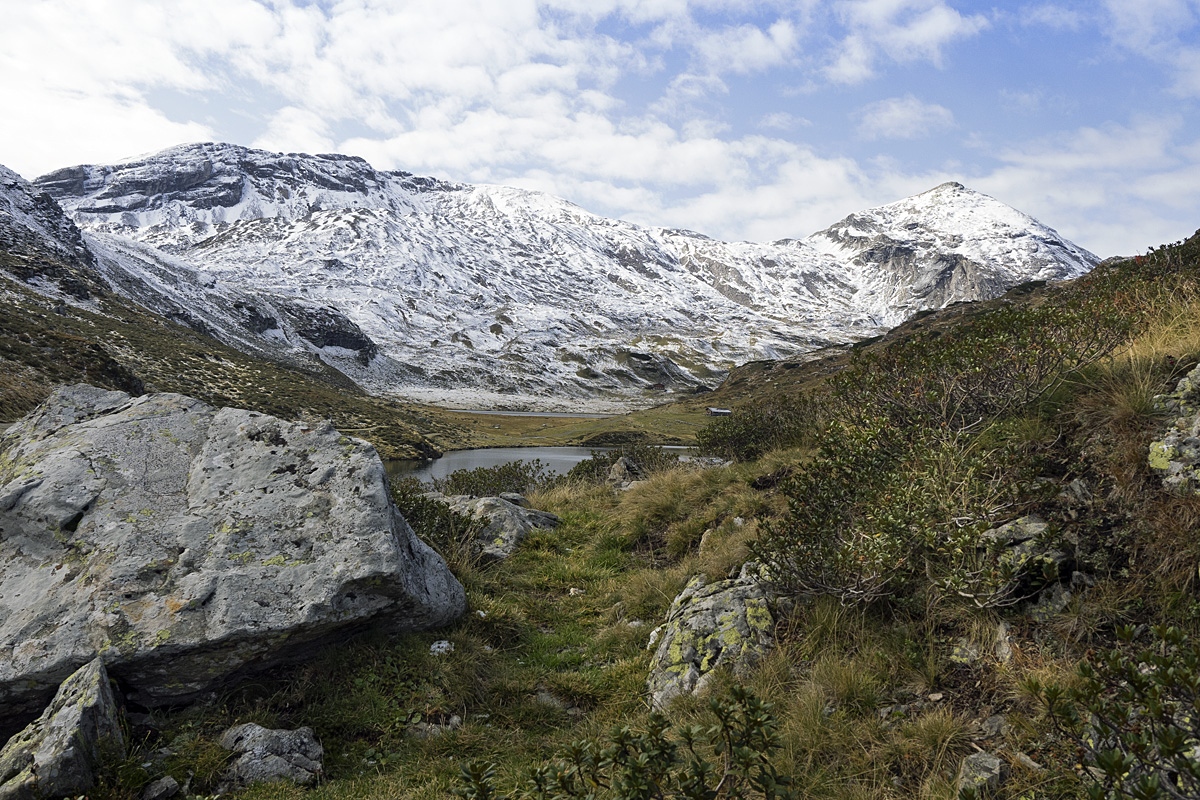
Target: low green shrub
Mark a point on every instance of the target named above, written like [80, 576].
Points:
[650, 764]
[515, 476]
[751, 431]
[1135, 717]
[995, 364]
[450, 533]
[594, 469]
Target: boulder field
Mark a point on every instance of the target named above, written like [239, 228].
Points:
[187, 546]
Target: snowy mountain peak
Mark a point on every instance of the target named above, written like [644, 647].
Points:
[943, 245]
[492, 295]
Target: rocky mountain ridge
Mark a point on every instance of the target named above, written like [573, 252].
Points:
[493, 296]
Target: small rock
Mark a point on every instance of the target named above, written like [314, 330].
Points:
[545, 698]
[1004, 651]
[1076, 493]
[441, 647]
[936, 697]
[432, 730]
[505, 523]
[1027, 762]
[161, 789]
[982, 771]
[270, 755]
[993, 726]
[1051, 602]
[728, 623]
[965, 652]
[624, 473]
[515, 499]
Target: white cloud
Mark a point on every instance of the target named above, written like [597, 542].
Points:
[902, 30]
[1115, 189]
[783, 121]
[1024, 101]
[292, 129]
[1051, 16]
[1164, 31]
[902, 118]
[747, 48]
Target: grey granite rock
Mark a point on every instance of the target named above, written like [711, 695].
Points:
[728, 623]
[57, 755]
[190, 545]
[982, 771]
[265, 755]
[505, 522]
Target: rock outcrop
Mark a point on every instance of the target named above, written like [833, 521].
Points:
[189, 545]
[1177, 455]
[727, 623]
[57, 755]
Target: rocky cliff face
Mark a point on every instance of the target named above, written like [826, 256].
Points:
[38, 243]
[486, 295]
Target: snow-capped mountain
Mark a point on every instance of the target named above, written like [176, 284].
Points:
[947, 244]
[488, 295]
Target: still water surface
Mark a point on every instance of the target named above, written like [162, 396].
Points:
[557, 460]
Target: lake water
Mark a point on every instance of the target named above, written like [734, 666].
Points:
[557, 460]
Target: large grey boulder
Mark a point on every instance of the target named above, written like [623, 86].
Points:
[266, 755]
[724, 624]
[1176, 457]
[58, 754]
[505, 521]
[189, 545]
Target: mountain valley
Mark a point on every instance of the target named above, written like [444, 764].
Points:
[491, 297]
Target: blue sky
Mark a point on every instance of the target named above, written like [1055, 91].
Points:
[738, 119]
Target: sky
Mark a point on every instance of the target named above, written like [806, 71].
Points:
[741, 119]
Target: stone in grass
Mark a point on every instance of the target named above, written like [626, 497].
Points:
[728, 623]
[270, 755]
[505, 523]
[58, 754]
[1176, 457]
[982, 771]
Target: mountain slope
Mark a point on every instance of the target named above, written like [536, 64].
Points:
[486, 295]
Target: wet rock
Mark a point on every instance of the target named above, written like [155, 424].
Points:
[58, 754]
[271, 755]
[724, 624]
[191, 546]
